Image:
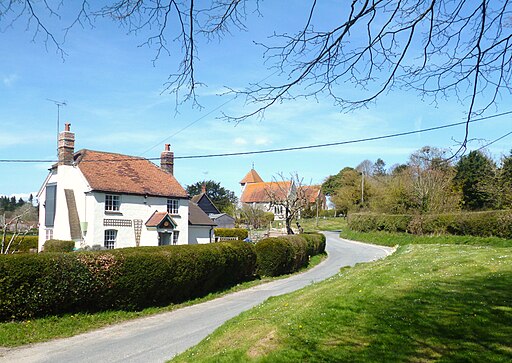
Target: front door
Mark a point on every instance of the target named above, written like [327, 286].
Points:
[164, 239]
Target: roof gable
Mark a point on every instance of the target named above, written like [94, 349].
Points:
[205, 203]
[161, 220]
[117, 173]
[196, 216]
[251, 177]
[262, 192]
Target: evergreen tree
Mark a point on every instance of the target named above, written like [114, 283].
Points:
[224, 199]
[475, 178]
[506, 181]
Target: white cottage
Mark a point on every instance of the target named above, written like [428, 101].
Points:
[115, 200]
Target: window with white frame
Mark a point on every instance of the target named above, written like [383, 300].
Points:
[175, 236]
[110, 239]
[172, 206]
[49, 233]
[112, 203]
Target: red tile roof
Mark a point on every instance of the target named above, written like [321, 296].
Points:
[312, 192]
[261, 192]
[117, 173]
[158, 217]
[251, 177]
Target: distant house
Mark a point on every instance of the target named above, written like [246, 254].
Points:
[204, 202]
[94, 197]
[266, 195]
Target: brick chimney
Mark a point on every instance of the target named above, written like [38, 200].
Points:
[66, 146]
[203, 188]
[167, 159]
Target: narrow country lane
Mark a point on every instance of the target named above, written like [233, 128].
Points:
[160, 337]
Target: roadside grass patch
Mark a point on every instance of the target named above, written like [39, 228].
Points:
[425, 303]
[397, 238]
[324, 224]
[17, 333]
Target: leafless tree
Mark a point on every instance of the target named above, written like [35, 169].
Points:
[290, 194]
[9, 244]
[438, 48]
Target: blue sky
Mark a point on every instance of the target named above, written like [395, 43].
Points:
[115, 103]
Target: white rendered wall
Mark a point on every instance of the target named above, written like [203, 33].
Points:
[66, 177]
[132, 207]
[199, 235]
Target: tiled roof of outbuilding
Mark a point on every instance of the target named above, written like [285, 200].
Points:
[196, 216]
[117, 173]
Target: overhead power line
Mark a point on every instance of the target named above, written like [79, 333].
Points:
[355, 141]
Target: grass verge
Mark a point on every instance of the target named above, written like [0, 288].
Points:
[324, 224]
[18, 333]
[393, 239]
[425, 303]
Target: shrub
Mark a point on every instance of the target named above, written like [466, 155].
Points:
[481, 224]
[281, 255]
[130, 278]
[274, 256]
[316, 243]
[56, 245]
[22, 244]
[240, 233]
[379, 222]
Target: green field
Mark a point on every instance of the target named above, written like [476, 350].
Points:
[425, 303]
[324, 224]
[393, 239]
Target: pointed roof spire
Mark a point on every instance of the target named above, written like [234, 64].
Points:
[251, 177]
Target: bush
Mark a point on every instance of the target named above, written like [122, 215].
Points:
[22, 244]
[130, 278]
[56, 245]
[274, 256]
[282, 255]
[316, 243]
[379, 222]
[240, 233]
[480, 224]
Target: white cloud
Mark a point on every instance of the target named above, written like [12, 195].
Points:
[9, 80]
[261, 140]
[240, 141]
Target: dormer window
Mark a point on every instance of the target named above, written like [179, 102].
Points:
[112, 203]
[172, 206]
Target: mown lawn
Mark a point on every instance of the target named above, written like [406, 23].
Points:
[393, 239]
[324, 224]
[16, 333]
[425, 303]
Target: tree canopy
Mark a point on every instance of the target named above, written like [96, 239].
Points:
[224, 199]
[437, 48]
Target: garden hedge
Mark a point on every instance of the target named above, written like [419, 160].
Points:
[130, 278]
[481, 224]
[22, 244]
[240, 233]
[56, 245]
[281, 255]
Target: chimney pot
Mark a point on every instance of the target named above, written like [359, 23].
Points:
[167, 160]
[66, 147]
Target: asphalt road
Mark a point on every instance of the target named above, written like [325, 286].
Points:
[160, 337]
